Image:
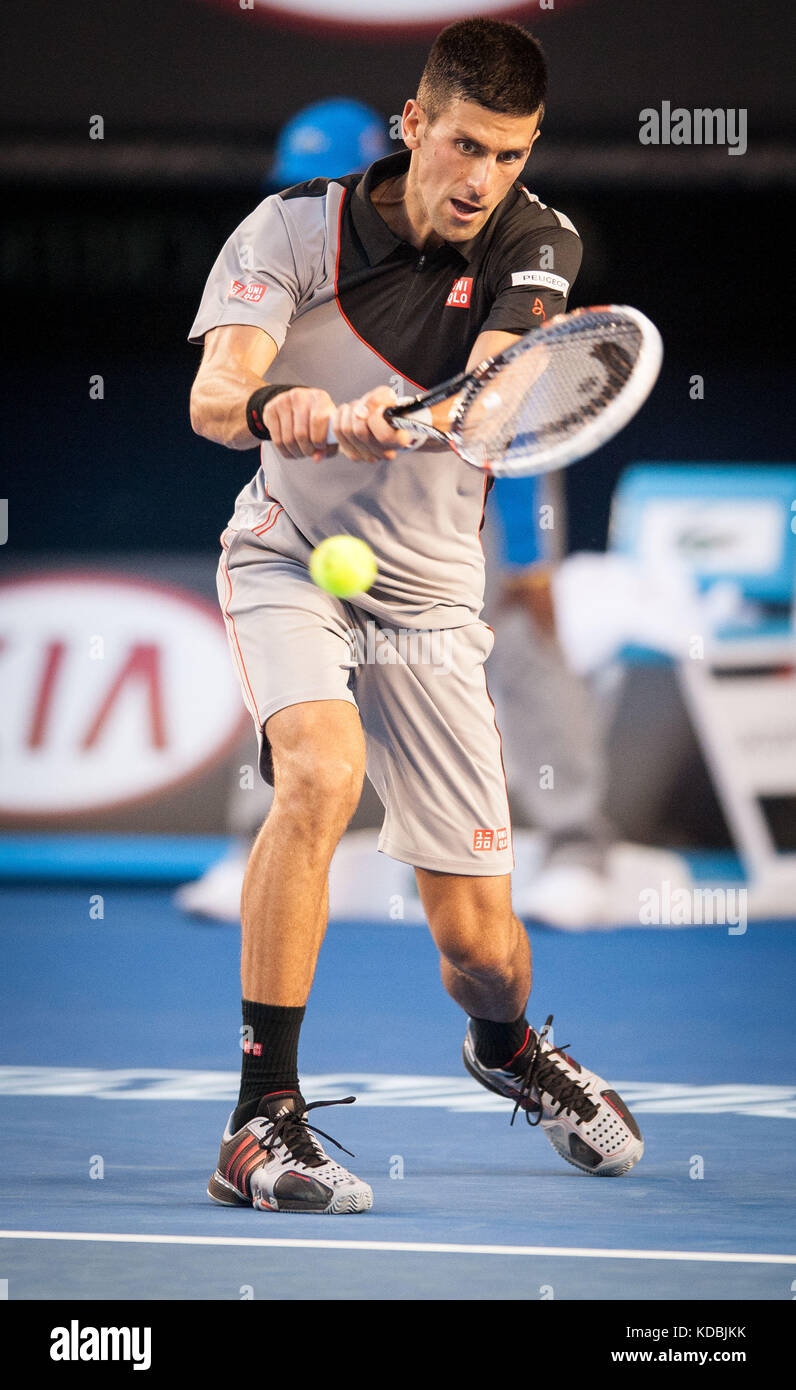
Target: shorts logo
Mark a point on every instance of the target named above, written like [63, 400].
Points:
[250, 294]
[544, 278]
[459, 297]
[491, 839]
[538, 308]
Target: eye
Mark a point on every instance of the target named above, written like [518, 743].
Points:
[466, 146]
[510, 157]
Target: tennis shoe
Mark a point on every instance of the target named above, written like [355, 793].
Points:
[587, 1123]
[276, 1163]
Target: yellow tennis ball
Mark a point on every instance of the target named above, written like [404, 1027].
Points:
[343, 565]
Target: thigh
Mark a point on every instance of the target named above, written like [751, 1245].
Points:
[433, 750]
[291, 642]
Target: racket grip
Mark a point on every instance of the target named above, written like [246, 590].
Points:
[397, 424]
[331, 437]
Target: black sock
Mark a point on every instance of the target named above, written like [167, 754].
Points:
[497, 1043]
[270, 1055]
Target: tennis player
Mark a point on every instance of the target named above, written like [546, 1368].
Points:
[329, 300]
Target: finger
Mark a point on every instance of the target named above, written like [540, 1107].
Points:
[345, 430]
[380, 429]
[380, 395]
[363, 417]
[302, 406]
[320, 414]
[282, 418]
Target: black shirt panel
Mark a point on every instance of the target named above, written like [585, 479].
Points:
[422, 311]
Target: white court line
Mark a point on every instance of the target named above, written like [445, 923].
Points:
[418, 1247]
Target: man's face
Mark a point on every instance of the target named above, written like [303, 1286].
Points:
[465, 163]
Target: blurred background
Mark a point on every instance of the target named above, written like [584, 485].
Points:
[137, 137]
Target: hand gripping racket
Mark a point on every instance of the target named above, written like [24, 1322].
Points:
[549, 399]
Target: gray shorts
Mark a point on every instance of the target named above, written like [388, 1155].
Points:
[433, 748]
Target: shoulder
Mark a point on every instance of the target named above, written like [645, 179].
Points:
[317, 188]
[523, 214]
[528, 232]
[534, 210]
[307, 210]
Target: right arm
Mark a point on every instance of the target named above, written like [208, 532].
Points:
[235, 360]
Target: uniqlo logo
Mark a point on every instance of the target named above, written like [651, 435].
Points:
[250, 294]
[255, 1048]
[459, 297]
[491, 839]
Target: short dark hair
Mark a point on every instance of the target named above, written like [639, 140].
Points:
[490, 61]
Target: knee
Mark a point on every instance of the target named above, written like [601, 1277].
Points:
[477, 947]
[320, 791]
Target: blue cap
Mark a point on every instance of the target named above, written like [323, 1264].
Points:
[339, 136]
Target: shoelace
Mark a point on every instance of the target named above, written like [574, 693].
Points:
[293, 1131]
[544, 1073]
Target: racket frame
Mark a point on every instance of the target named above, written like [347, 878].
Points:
[414, 413]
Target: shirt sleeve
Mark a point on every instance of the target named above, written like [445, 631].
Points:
[255, 279]
[533, 279]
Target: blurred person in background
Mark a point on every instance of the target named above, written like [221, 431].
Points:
[325, 139]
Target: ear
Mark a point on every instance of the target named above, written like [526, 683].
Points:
[413, 123]
[534, 139]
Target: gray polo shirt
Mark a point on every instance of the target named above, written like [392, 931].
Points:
[351, 306]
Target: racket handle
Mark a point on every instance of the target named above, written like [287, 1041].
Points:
[397, 425]
[421, 415]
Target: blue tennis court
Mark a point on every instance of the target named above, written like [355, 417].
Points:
[119, 1068]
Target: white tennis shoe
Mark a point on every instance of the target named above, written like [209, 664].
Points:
[587, 1123]
[276, 1163]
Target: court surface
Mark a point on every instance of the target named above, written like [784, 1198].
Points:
[120, 1064]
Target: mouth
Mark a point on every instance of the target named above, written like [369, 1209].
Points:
[465, 211]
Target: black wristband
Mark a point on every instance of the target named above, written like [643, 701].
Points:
[255, 408]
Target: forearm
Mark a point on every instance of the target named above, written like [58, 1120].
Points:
[218, 406]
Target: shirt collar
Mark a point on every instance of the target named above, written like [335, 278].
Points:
[376, 237]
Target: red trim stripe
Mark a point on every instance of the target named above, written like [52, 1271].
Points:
[232, 634]
[519, 1049]
[239, 1164]
[502, 764]
[244, 1144]
[247, 1168]
[362, 340]
[270, 520]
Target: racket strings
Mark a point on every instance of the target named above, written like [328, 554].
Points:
[549, 390]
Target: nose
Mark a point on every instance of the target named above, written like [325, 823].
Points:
[479, 176]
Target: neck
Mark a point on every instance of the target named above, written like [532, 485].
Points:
[399, 203]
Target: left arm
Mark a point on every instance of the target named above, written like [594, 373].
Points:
[489, 344]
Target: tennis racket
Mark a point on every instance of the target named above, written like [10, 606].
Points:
[549, 399]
